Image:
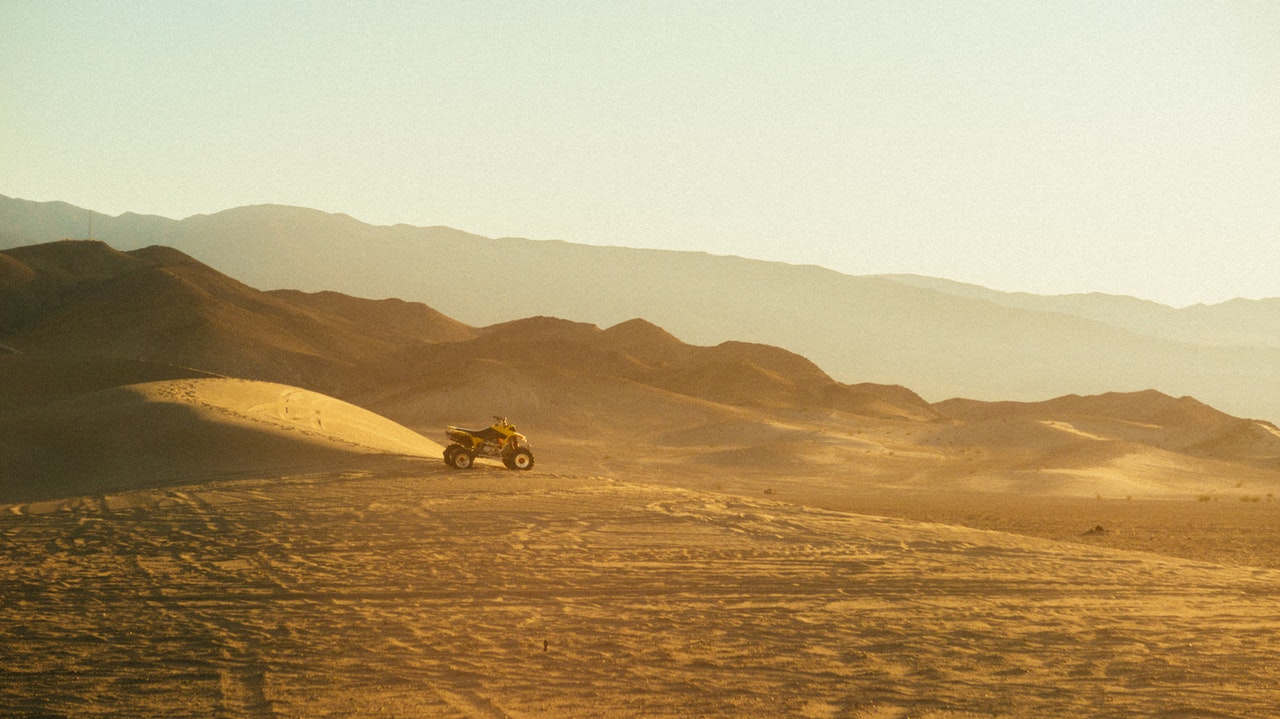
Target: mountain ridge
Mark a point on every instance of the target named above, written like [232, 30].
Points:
[159, 305]
[995, 346]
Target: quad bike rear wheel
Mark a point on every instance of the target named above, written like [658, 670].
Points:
[461, 459]
[449, 452]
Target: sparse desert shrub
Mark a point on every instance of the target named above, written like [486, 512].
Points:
[1250, 498]
[1205, 498]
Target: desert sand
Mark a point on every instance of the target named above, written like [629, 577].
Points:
[387, 585]
[405, 589]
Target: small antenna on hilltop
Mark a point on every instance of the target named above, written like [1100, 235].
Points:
[91, 224]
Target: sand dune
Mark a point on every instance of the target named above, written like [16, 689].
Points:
[181, 431]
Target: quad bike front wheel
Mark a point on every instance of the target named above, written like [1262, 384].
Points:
[519, 459]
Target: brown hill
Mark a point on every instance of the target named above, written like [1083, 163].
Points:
[732, 373]
[391, 320]
[1144, 444]
[84, 299]
[157, 305]
[35, 280]
[1149, 417]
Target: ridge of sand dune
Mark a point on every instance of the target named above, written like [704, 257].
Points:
[282, 408]
[180, 431]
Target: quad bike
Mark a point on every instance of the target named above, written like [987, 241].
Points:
[499, 441]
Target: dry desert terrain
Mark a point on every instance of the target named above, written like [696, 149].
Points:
[388, 585]
[219, 502]
[400, 588]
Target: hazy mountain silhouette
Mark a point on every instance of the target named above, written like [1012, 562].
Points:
[942, 339]
[546, 354]
[76, 301]
[1237, 322]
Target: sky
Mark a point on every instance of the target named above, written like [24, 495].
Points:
[1116, 146]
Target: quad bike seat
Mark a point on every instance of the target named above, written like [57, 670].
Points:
[486, 433]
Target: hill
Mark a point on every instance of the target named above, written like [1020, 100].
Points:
[82, 319]
[941, 339]
[1115, 444]
[84, 299]
[186, 544]
[1184, 425]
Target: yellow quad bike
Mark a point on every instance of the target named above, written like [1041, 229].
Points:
[499, 441]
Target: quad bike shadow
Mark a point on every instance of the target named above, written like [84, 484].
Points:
[499, 441]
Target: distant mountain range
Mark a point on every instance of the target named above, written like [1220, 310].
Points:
[76, 303]
[940, 338]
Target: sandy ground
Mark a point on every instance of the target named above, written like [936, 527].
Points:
[404, 589]
[1191, 509]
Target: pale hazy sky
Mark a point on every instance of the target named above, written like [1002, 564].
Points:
[1050, 147]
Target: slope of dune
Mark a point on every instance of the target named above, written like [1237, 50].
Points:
[183, 431]
[1114, 445]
